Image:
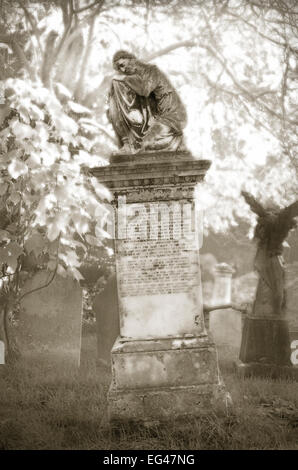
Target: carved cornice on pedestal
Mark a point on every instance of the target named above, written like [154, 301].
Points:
[152, 176]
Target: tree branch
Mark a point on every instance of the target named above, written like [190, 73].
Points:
[11, 41]
[172, 47]
[89, 6]
[32, 23]
[66, 31]
[247, 93]
[264, 36]
[88, 48]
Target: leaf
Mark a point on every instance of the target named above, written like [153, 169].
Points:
[3, 188]
[63, 90]
[101, 190]
[35, 243]
[80, 223]
[109, 250]
[10, 253]
[100, 233]
[78, 108]
[52, 265]
[36, 112]
[4, 236]
[53, 231]
[15, 197]
[34, 160]
[76, 274]
[48, 158]
[61, 270]
[82, 157]
[70, 258]
[22, 131]
[17, 168]
[93, 240]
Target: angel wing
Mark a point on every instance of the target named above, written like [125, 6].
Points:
[254, 204]
[291, 211]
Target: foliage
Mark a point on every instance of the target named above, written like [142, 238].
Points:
[48, 202]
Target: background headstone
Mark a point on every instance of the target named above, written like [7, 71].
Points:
[105, 306]
[292, 308]
[2, 353]
[292, 295]
[226, 324]
[50, 321]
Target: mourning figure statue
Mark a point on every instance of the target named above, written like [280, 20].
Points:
[265, 334]
[144, 108]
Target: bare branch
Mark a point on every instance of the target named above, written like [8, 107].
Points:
[10, 40]
[172, 47]
[67, 18]
[89, 6]
[80, 82]
[32, 23]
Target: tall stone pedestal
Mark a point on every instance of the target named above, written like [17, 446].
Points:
[163, 363]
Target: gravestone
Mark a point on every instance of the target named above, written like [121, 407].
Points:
[105, 306]
[2, 352]
[51, 319]
[291, 286]
[164, 365]
[3, 338]
[225, 324]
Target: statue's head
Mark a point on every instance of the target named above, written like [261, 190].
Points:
[124, 62]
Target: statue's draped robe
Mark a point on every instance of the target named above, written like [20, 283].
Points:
[162, 114]
[128, 113]
[265, 334]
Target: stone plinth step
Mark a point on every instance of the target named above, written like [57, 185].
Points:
[272, 371]
[162, 404]
[164, 362]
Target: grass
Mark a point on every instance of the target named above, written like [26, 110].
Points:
[42, 407]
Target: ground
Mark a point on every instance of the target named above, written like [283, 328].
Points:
[45, 407]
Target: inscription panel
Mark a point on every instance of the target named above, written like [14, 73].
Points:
[158, 272]
[155, 267]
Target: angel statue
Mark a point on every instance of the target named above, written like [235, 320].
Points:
[144, 107]
[265, 336]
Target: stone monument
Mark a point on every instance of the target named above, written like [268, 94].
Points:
[222, 290]
[164, 365]
[50, 322]
[105, 306]
[265, 347]
[2, 352]
[225, 324]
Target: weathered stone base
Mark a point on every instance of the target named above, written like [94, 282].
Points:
[162, 404]
[272, 371]
[155, 380]
[265, 340]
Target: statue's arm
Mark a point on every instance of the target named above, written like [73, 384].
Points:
[142, 86]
